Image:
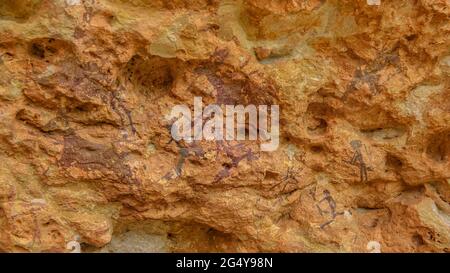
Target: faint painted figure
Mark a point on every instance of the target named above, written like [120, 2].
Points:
[184, 152]
[290, 178]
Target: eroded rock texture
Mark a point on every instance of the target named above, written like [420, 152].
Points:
[86, 153]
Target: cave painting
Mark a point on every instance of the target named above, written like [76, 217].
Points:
[330, 206]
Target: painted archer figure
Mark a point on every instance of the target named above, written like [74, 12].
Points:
[358, 159]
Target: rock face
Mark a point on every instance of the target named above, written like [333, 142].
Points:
[85, 146]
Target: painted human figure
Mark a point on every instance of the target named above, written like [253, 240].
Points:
[358, 159]
[290, 178]
[332, 206]
[374, 247]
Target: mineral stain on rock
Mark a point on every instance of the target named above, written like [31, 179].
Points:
[363, 163]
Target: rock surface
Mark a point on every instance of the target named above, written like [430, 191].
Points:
[86, 86]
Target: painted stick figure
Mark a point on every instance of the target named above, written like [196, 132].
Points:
[358, 159]
[74, 246]
[236, 154]
[332, 206]
[184, 152]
